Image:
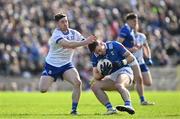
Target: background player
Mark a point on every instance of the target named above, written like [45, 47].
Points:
[126, 37]
[59, 59]
[142, 44]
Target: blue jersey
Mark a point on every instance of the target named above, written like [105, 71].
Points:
[128, 34]
[114, 53]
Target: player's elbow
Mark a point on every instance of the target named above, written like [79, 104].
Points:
[131, 59]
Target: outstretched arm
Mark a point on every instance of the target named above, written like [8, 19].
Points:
[74, 44]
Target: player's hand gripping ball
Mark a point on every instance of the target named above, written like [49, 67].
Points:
[104, 66]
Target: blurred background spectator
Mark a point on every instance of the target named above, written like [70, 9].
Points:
[26, 26]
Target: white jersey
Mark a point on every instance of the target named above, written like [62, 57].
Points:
[57, 55]
[140, 40]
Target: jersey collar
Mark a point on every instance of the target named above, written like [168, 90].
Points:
[65, 33]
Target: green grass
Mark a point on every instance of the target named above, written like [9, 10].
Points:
[19, 105]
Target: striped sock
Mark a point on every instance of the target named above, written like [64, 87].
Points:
[108, 105]
[74, 106]
[127, 103]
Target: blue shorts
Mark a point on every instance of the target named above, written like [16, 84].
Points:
[144, 68]
[54, 72]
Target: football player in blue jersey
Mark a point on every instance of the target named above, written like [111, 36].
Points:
[127, 38]
[117, 77]
[58, 62]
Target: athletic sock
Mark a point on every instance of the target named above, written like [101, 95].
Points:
[74, 106]
[127, 103]
[108, 105]
[142, 98]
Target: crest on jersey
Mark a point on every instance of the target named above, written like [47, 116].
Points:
[49, 72]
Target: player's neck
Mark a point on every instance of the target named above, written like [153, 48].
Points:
[65, 31]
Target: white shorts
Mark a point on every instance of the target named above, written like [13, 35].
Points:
[124, 70]
[140, 60]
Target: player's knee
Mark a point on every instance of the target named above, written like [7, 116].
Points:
[94, 87]
[138, 79]
[43, 90]
[148, 83]
[77, 83]
[119, 86]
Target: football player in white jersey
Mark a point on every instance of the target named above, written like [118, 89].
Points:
[58, 61]
[142, 44]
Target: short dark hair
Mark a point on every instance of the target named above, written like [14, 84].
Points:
[59, 16]
[93, 46]
[131, 16]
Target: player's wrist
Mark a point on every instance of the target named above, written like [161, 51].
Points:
[149, 59]
[124, 62]
[85, 42]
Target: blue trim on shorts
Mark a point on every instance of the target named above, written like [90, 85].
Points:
[144, 68]
[55, 72]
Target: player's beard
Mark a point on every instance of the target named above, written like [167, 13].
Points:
[65, 28]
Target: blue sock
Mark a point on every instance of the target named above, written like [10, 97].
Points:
[108, 105]
[127, 103]
[74, 106]
[142, 98]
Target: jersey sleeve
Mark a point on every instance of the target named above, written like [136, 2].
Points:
[119, 47]
[94, 60]
[56, 36]
[78, 36]
[123, 33]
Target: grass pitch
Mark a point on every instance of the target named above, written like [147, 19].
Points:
[57, 105]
